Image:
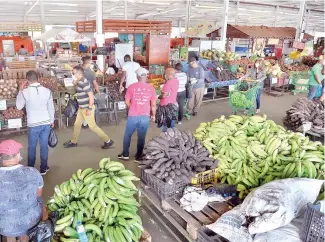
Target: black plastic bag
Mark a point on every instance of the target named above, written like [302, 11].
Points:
[188, 90]
[165, 115]
[71, 109]
[53, 139]
[44, 231]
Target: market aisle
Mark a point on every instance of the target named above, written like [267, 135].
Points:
[64, 162]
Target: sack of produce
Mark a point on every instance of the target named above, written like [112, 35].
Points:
[44, 231]
[166, 114]
[290, 232]
[71, 109]
[176, 155]
[102, 201]
[277, 203]
[231, 226]
[53, 139]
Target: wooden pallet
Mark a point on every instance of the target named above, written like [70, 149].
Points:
[188, 223]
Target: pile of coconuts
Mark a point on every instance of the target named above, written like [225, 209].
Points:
[8, 89]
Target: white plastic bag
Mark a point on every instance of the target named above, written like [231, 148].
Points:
[230, 226]
[290, 232]
[277, 203]
[110, 71]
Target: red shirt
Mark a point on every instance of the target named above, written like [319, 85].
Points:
[170, 87]
[140, 95]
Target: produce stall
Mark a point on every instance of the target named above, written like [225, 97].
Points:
[242, 153]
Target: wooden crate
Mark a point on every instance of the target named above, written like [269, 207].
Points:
[187, 223]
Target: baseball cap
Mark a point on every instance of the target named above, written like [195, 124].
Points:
[142, 72]
[10, 147]
[192, 59]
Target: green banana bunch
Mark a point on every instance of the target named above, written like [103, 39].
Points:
[253, 151]
[102, 200]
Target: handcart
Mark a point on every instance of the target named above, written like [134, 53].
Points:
[243, 97]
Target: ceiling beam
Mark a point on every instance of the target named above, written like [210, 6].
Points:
[31, 8]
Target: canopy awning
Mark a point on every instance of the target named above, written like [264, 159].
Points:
[57, 35]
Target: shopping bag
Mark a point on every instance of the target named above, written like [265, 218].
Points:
[53, 139]
[71, 109]
[44, 231]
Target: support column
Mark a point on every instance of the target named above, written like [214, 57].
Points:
[187, 18]
[42, 16]
[179, 28]
[275, 17]
[225, 20]
[307, 19]
[100, 39]
[125, 9]
[237, 13]
[300, 18]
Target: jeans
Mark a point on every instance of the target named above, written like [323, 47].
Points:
[141, 124]
[181, 100]
[312, 92]
[172, 125]
[258, 98]
[81, 116]
[40, 133]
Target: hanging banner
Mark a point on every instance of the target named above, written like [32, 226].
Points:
[309, 48]
[298, 45]
[258, 47]
[273, 41]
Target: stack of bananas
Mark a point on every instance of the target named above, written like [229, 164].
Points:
[102, 201]
[253, 151]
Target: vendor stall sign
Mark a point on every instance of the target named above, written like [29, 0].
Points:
[298, 45]
[14, 123]
[273, 41]
[102, 50]
[258, 47]
[3, 105]
[121, 105]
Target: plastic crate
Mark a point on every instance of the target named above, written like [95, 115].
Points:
[207, 235]
[313, 225]
[249, 97]
[163, 190]
[205, 177]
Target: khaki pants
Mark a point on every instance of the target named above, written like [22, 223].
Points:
[81, 116]
[195, 102]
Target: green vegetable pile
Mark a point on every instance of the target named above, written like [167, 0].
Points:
[102, 201]
[239, 100]
[253, 151]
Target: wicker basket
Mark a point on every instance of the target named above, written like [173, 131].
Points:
[207, 235]
[313, 225]
[162, 189]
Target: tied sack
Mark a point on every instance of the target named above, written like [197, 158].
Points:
[231, 226]
[53, 139]
[277, 203]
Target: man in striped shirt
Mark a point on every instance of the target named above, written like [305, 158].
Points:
[85, 99]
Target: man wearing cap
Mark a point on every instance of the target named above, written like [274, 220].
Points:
[141, 101]
[315, 77]
[195, 73]
[39, 105]
[169, 92]
[21, 193]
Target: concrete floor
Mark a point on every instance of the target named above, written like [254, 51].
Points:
[64, 162]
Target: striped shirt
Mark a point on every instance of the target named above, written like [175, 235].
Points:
[83, 88]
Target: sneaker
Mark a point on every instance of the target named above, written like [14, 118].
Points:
[179, 122]
[108, 145]
[138, 159]
[122, 157]
[85, 126]
[69, 144]
[258, 110]
[44, 172]
[195, 113]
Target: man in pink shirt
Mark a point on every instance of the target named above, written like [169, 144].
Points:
[141, 100]
[169, 92]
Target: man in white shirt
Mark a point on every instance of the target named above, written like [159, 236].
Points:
[128, 76]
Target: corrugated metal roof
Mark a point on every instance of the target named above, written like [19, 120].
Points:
[269, 32]
[240, 31]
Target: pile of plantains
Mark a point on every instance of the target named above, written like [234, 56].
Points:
[304, 110]
[176, 155]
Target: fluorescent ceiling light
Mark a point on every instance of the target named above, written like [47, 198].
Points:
[64, 10]
[209, 7]
[65, 4]
[157, 3]
[110, 9]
